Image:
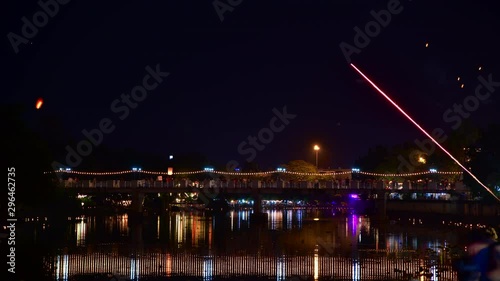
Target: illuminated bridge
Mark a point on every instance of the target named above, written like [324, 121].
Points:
[149, 181]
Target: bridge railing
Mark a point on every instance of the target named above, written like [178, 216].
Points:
[352, 184]
[213, 184]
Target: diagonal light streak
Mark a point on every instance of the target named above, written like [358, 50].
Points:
[423, 131]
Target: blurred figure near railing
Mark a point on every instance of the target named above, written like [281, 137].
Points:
[482, 262]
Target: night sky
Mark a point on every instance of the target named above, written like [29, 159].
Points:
[226, 77]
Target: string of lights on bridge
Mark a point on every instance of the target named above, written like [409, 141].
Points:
[279, 170]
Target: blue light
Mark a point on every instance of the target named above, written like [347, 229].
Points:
[281, 170]
[68, 169]
[237, 169]
[433, 170]
[134, 169]
[356, 170]
[208, 169]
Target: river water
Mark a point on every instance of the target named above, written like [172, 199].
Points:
[294, 244]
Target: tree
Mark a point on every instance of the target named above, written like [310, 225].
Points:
[302, 167]
[485, 163]
[28, 154]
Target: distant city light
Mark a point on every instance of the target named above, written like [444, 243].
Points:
[354, 196]
[171, 157]
[281, 170]
[458, 78]
[462, 86]
[480, 68]
[134, 169]
[433, 170]
[68, 169]
[208, 169]
[237, 169]
[422, 160]
[427, 45]
[316, 219]
[356, 170]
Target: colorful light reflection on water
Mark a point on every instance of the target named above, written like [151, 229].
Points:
[291, 243]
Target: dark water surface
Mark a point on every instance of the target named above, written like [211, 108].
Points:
[306, 244]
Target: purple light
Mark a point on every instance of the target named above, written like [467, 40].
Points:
[354, 196]
[354, 224]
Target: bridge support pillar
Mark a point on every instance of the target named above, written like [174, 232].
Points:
[165, 203]
[137, 204]
[257, 216]
[381, 207]
[257, 203]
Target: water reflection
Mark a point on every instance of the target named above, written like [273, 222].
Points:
[207, 269]
[281, 269]
[275, 221]
[356, 274]
[305, 243]
[134, 268]
[62, 266]
[81, 230]
[316, 263]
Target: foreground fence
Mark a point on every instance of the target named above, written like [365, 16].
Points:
[283, 267]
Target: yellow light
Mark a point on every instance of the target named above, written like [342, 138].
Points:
[421, 160]
[316, 147]
[462, 86]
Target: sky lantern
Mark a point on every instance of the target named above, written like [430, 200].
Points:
[39, 103]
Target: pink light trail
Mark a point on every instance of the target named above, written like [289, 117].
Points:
[423, 131]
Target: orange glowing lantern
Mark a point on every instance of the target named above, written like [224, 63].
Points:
[39, 103]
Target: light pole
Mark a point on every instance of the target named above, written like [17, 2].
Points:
[316, 148]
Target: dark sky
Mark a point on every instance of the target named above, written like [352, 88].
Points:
[227, 76]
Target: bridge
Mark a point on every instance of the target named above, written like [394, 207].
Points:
[280, 179]
[257, 190]
[257, 185]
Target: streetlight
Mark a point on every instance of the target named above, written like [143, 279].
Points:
[316, 148]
